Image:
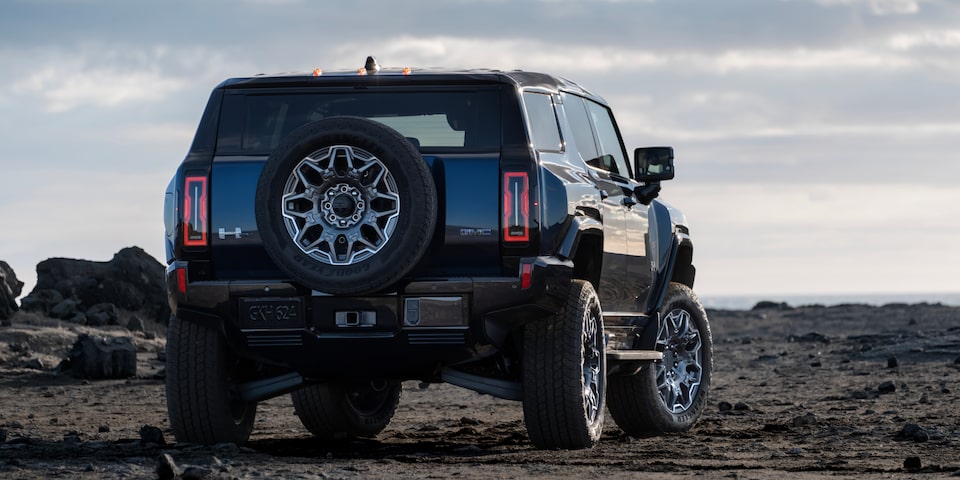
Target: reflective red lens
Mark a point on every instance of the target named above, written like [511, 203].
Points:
[516, 207]
[195, 212]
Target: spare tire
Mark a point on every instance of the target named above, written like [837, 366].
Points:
[346, 205]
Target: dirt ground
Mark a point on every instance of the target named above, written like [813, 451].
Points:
[843, 391]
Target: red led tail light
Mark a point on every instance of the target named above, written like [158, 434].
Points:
[516, 207]
[195, 212]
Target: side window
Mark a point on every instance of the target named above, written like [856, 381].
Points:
[611, 149]
[579, 121]
[543, 122]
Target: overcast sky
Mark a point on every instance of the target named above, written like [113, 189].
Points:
[817, 140]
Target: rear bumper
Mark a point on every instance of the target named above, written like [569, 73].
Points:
[411, 333]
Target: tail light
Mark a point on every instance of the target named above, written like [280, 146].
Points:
[516, 207]
[195, 212]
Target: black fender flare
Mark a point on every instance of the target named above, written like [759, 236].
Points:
[662, 249]
[578, 226]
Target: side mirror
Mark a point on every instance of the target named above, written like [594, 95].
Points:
[653, 164]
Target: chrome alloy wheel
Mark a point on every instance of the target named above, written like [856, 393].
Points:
[593, 356]
[681, 369]
[340, 205]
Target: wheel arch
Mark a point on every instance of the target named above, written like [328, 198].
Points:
[583, 243]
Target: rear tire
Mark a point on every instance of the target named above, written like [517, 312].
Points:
[202, 400]
[669, 395]
[564, 373]
[334, 411]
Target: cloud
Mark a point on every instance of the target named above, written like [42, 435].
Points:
[946, 39]
[511, 53]
[95, 75]
[880, 7]
[66, 89]
[154, 134]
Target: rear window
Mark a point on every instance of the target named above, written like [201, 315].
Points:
[253, 123]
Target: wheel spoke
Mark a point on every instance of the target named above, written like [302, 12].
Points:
[679, 372]
[340, 190]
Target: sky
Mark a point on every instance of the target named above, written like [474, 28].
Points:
[816, 140]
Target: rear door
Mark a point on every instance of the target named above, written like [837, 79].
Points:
[637, 276]
[456, 128]
[607, 172]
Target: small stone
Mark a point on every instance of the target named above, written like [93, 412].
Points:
[816, 364]
[805, 420]
[194, 472]
[166, 467]
[135, 324]
[725, 406]
[924, 399]
[741, 407]
[912, 431]
[103, 428]
[893, 362]
[469, 421]
[34, 364]
[468, 449]
[887, 387]
[912, 464]
[151, 434]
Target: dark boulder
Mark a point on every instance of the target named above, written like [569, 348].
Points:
[65, 310]
[10, 288]
[103, 314]
[41, 300]
[768, 305]
[103, 357]
[133, 280]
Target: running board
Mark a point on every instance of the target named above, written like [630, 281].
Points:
[628, 355]
[258, 390]
[504, 389]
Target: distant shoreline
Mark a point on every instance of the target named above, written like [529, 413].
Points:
[746, 302]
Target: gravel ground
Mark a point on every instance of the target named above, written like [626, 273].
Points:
[844, 391]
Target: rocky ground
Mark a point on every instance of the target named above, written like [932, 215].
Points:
[844, 391]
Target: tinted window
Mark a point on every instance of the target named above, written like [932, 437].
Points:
[253, 123]
[543, 122]
[582, 129]
[613, 156]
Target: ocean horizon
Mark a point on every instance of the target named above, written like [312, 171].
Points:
[746, 302]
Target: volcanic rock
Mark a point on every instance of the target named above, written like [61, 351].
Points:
[102, 314]
[103, 357]
[10, 288]
[132, 280]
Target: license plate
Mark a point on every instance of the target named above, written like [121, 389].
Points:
[271, 313]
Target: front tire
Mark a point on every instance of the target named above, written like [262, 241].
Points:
[669, 395]
[564, 373]
[202, 400]
[334, 411]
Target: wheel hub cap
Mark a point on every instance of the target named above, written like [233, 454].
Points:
[340, 205]
[680, 370]
[593, 356]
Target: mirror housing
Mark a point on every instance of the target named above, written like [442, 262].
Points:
[653, 164]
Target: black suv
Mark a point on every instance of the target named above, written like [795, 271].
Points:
[331, 235]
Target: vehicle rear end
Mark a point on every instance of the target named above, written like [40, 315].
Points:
[479, 258]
